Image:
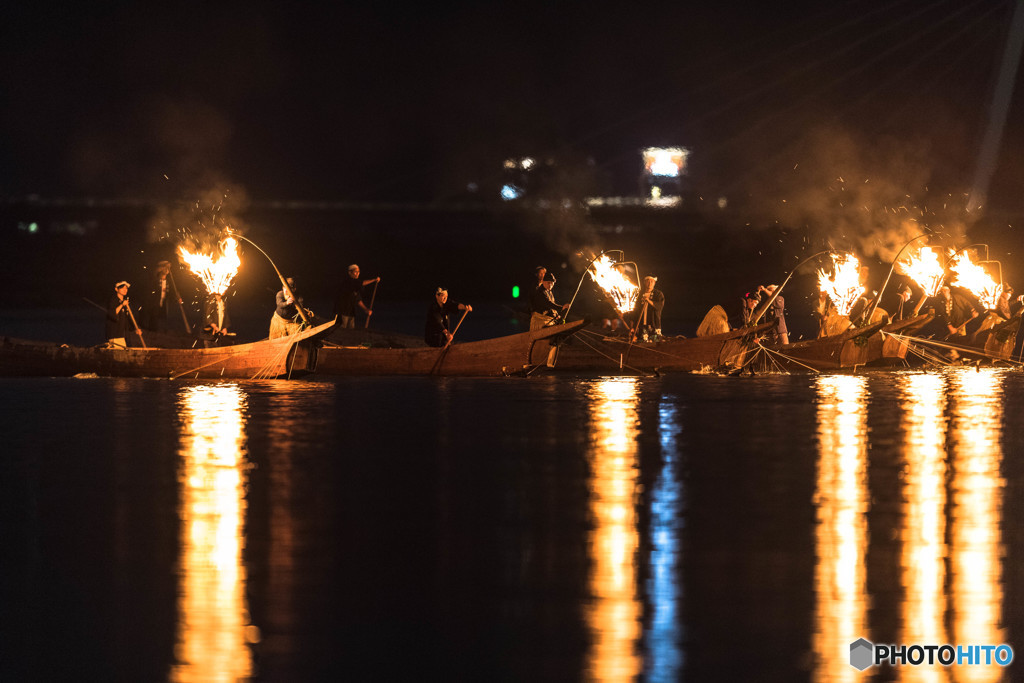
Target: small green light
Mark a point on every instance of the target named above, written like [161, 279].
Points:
[515, 291]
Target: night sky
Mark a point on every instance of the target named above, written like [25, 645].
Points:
[414, 102]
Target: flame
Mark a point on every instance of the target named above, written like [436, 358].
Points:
[843, 286]
[971, 275]
[925, 270]
[621, 292]
[215, 272]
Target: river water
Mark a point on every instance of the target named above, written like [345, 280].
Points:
[684, 527]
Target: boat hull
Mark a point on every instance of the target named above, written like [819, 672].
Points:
[290, 356]
[682, 354]
[490, 357]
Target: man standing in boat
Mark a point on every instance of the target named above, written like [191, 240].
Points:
[777, 313]
[543, 307]
[350, 298]
[284, 322]
[158, 299]
[436, 332]
[647, 311]
[216, 320]
[119, 316]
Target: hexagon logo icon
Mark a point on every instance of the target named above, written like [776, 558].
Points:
[861, 654]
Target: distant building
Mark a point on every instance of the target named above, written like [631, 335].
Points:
[664, 176]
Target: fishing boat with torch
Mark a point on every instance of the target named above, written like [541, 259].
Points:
[288, 356]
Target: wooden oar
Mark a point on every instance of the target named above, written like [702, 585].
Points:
[372, 297]
[456, 330]
[131, 315]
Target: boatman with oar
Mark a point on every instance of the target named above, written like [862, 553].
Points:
[436, 332]
[119, 317]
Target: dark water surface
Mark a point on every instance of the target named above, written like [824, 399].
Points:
[688, 527]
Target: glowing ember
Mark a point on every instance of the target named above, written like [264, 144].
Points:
[621, 292]
[925, 270]
[843, 286]
[971, 275]
[215, 272]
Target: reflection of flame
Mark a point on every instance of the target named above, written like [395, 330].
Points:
[843, 286]
[924, 530]
[925, 270]
[977, 493]
[610, 278]
[842, 500]
[614, 614]
[213, 626]
[216, 273]
[972, 276]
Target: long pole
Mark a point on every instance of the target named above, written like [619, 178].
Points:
[892, 267]
[284, 283]
[760, 310]
[128, 307]
[181, 306]
[455, 330]
[372, 297]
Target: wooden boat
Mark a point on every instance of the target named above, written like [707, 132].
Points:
[283, 357]
[490, 357]
[993, 342]
[593, 352]
[854, 347]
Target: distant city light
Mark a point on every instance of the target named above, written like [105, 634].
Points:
[667, 162]
[526, 163]
[509, 192]
[515, 291]
[31, 228]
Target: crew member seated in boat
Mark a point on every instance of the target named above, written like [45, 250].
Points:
[286, 320]
[216, 320]
[436, 332]
[350, 297]
[543, 307]
[776, 313]
[119, 316]
[646, 316]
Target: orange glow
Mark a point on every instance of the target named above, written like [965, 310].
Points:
[924, 269]
[972, 276]
[841, 498]
[214, 631]
[843, 286]
[924, 519]
[976, 550]
[609, 277]
[216, 272]
[614, 614]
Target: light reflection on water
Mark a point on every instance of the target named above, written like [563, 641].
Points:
[214, 632]
[977, 492]
[951, 518]
[614, 613]
[841, 497]
[924, 517]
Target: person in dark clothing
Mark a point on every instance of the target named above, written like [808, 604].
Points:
[647, 311]
[955, 308]
[119, 318]
[157, 305]
[283, 322]
[543, 307]
[216, 320]
[436, 332]
[350, 297]
[777, 313]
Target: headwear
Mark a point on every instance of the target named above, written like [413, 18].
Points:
[353, 267]
[163, 263]
[440, 290]
[122, 283]
[549, 277]
[651, 277]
